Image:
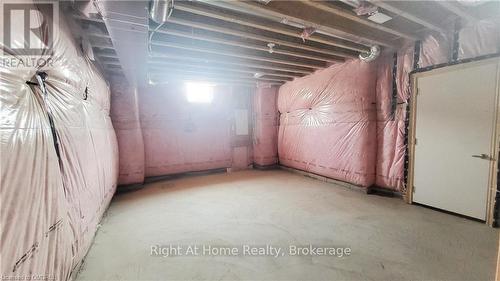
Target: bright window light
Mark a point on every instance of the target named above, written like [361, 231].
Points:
[197, 92]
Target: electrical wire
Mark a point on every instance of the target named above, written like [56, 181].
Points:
[158, 27]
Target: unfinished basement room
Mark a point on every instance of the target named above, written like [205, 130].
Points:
[250, 140]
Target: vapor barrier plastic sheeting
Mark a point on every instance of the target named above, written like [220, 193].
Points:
[53, 194]
[328, 123]
[265, 131]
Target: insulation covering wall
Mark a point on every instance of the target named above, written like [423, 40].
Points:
[242, 126]
[325, 127]
[390, 129]
[180, 136]
[53, 196]
[328, 123]
[265, 131]
[391, 118]
[125, 117]
[436, 49]
[474, 40]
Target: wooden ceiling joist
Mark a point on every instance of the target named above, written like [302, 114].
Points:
[103, 46]
[241, 69]
[196, 34]
[293, 42]
[202, 74]
[328, 22]
[233, 62]
[264, 24]
[387, 5]
[247, 54]
[325, 6]
[158, 68]
[106, 55]
[159, 77]
[99, 35]
[110, 62]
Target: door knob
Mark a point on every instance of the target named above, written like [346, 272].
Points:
[483, 156]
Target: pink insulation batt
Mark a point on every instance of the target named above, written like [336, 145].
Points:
[125, 117]
[180, 136]
[328, 123]
[51, 204]
[265, 131]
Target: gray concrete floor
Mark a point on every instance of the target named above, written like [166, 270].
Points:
[390, 240]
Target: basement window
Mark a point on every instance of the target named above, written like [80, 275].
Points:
[198, 92]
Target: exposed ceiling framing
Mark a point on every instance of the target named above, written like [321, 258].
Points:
[101, 43]
[265, 24]
[311, 16]
[233, 41]
[328, 7]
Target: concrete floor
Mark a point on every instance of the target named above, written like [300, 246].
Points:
[390, 240]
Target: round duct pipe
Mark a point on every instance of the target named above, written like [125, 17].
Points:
[370, 56]
[159, 10]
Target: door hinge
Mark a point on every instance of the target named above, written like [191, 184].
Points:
[413, 190]
[416, 141]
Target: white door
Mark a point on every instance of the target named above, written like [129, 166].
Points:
[455, 123]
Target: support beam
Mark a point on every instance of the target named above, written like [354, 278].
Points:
[264, 24]
[241, 69]
[333, 24]
[235, 62]
[196, 34]
[450, 6]
[407, 15]
[325, 6]
[250, 35]
[256, 55]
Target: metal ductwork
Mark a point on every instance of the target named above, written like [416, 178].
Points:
[370, 56]
[159, 10]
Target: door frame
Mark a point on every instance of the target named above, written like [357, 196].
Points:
[492, 181]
